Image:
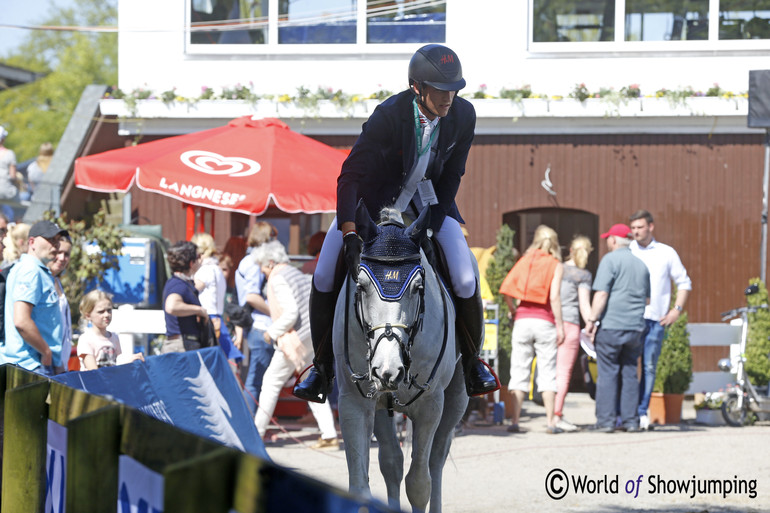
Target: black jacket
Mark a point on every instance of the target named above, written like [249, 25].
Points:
[384, 153]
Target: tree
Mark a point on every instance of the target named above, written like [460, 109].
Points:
[39, 112]
[86, 266]
[504, 257]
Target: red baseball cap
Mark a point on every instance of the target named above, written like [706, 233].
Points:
[618, 230]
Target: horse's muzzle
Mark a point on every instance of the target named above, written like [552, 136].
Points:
[389, 379]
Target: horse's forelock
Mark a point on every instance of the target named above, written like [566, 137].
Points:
[391, 215]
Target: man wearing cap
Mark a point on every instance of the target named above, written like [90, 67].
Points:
[411, 155]
[622, 290]
[33, 323]
[665, 266]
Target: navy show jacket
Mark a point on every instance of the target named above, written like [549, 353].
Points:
[384, 153]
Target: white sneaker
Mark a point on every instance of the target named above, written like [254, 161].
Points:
[644, 422]
[566, 425]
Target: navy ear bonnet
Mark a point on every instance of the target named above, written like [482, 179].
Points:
[391, 259]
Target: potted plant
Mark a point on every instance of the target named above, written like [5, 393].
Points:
[708, 408]
[673, 375]
[505, 256]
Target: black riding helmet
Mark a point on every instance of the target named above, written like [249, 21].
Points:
[438, 67]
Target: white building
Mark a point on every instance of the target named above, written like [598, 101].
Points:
[548, 45]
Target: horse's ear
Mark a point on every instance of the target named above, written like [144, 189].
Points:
[365, 226]
[418, 229]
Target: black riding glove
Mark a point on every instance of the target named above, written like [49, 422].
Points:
[351, 251]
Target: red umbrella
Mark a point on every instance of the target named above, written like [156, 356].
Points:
[239, 167]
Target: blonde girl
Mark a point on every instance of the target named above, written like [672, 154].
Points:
[575, 303]
[98, 347]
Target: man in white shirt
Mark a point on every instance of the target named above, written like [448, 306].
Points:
[665, 266]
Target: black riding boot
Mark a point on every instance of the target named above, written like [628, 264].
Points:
[318, 383]
[479, 380]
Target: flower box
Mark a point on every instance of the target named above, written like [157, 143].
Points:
[709, 417]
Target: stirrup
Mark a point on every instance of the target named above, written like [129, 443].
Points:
[482, 386]
[307, 390]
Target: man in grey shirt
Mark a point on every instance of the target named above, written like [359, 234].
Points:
[622, 290]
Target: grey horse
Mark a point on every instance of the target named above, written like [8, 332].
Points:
[395, 349]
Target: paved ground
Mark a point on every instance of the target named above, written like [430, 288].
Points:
[490, 470]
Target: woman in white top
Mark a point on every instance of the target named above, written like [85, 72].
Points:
[211, 285]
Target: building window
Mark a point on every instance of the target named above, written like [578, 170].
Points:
[651, 20]
[565, 20]
[228, 22]
[405, 21]
[316, 22]
[634, 25]
[739, 19]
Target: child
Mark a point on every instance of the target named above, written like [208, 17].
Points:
[98, 347]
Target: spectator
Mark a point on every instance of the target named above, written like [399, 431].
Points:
[210, 283]
[15, 243]
[3, 233]
[575, 303]
[665, 266]
[8, 177]
[249, 282]
[313, 249]
[98, 347]
[288, 294]
[33, 327]
[38, 168]
[622, 289]
[57, 266]
[535, 282]
[181, 306]
[235, 248]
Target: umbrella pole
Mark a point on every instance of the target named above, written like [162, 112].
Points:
[190, 224]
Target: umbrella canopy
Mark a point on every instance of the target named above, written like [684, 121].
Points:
[239, 167]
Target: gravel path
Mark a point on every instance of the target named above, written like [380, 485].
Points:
[491, 470]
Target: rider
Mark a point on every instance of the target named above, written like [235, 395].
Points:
[411, 153]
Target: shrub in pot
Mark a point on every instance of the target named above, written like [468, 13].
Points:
[673, 374]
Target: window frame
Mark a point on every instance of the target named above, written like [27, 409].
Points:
[273, 47]
[619, 45]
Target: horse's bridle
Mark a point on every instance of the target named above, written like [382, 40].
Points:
[412, 330]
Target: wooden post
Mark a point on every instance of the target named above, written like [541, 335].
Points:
[203, 483]
[93, 445]
[24, 448]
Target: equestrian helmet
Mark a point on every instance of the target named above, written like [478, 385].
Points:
[438, 67]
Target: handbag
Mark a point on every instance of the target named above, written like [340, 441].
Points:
[208, 334]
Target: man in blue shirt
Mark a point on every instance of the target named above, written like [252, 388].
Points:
[33, 323]
[622, 290]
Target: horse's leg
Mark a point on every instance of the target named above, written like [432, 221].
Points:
[425, 421]
[391, 457]
[356, 416]
[455, 403]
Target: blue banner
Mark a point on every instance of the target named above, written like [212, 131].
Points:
[195, 391]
